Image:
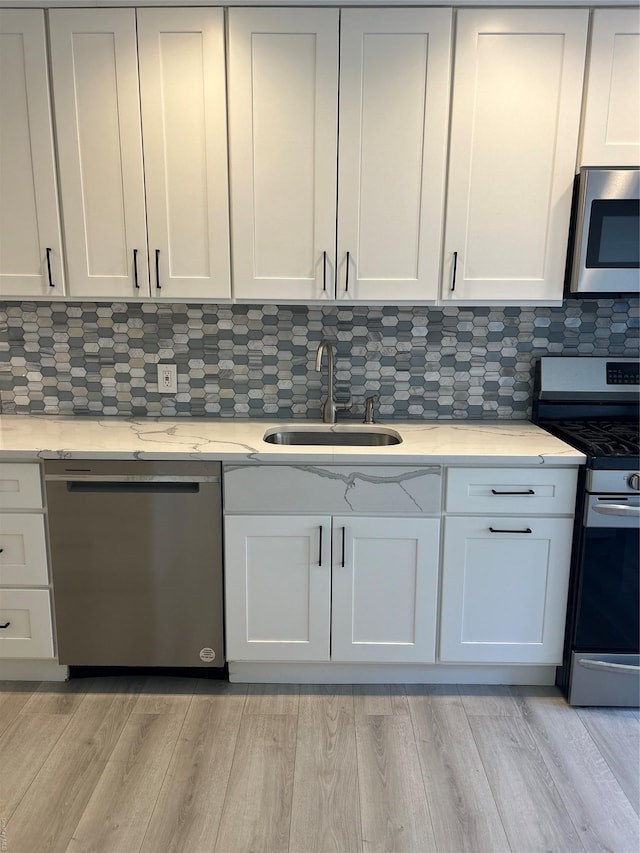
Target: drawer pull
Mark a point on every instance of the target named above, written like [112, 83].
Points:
[344, 530]
[320, 548]
[498, 530]
[6, 625]
[527, 492]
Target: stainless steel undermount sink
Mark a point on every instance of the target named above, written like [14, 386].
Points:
[333, 436]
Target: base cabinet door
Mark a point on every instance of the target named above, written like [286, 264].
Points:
[385, 589]
[25, 624]
[504, 590]
[278, 587]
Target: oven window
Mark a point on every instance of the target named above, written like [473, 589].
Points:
[614, 234]
[609, 600]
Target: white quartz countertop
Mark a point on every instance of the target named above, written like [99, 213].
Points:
[433, 442]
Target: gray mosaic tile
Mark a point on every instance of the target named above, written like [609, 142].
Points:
[245, 360]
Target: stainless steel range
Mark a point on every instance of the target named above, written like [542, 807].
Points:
[592, 403]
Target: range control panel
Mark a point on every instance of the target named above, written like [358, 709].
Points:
[623, 373]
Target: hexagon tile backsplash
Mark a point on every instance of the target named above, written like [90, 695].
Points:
[258, 361]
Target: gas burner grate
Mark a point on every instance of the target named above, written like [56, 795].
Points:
[600, 438]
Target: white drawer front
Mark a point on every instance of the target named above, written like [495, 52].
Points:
[20, 486]
[511, 490]
[332, 489]
[23, 552]
[25, 624]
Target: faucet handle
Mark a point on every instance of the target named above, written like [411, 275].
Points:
[368, 408]
[343, 405]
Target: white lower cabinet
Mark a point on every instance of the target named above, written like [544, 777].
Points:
[313, 588]
[278, 587]
[504, 590]
[23, 551]
[385, 589]
[347, 565]
[25, 624]
[25, 614]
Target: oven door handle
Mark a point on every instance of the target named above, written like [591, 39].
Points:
[623, 510]
[608, 666]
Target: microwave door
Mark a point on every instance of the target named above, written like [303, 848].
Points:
[607, 250]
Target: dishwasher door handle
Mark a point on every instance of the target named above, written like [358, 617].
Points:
[103, 487]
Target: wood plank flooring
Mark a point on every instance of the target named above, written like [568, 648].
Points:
[122, 765]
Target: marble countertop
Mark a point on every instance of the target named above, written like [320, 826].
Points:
[433, 442]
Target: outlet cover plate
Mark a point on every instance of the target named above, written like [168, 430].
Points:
[167, 378]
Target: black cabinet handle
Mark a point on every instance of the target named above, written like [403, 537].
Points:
[346, 281]
[135, 270]
[320, 547]
[1, 550]
[453, 273]
[527, 492]
[497, 530]
[158, 285]
[344, 529]
[51, 284]
[6, 625]
[324, 271]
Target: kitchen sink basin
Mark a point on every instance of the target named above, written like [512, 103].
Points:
[333, 436]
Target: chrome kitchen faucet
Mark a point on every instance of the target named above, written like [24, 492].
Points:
[331, 407]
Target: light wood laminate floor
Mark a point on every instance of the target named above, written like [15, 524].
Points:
[195, 766]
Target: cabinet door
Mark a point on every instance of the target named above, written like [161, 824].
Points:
[95, 86]
[25, 624]
[29, 220]
[182, 88]
[394, 110]
[277, 587]
[611, 134]
[283, 105]
[385, 589]
[23, 551]
[504, 589]
[514, 133]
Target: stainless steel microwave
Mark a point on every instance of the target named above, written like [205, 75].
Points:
[606, 252]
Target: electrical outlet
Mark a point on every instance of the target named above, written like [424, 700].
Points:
[167, 378]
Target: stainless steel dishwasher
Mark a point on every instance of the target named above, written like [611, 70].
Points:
[136, 550]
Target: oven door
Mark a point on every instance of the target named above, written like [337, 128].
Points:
[605, 658]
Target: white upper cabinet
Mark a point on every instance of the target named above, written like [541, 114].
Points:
[30, 242]
[95, 87]
[184, 122]
[100, 128]
[611, 133]
[287, 170]
[514, 135]
[394, 110]
[283, 112]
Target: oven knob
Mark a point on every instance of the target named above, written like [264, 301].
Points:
[634, 482]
